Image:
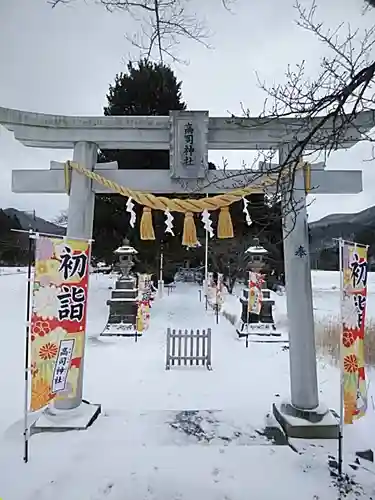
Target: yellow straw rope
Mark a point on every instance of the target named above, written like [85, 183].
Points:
[175, 205]
[307, 175]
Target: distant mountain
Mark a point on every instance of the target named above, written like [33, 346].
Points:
[14, 243]
[364, 218]
[27, 221]
[346, 226]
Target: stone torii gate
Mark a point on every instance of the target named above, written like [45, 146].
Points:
[188, 171]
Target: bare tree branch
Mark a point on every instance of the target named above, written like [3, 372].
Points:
[163, 24]
[61, 219]
[326, 107]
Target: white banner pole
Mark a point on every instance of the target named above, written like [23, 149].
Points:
[27, 349]
[341, 424]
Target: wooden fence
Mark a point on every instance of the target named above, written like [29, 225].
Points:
[188, 348]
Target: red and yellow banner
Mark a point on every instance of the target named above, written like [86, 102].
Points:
[58, 320]
[353, 309]
[144, 301]
[255, 293]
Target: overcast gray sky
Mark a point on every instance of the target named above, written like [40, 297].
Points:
[62, 61]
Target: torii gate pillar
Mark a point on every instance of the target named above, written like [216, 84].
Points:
[80, 225]
[303, 376]
[82, 197]
[303, 408]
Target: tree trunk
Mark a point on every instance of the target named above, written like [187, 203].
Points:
[230, 282]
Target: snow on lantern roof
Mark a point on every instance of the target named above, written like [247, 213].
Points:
[125, 249]
[257, 250]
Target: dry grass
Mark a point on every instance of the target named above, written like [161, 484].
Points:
[327, 336]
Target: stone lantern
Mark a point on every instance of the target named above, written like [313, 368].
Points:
[257, 256]
[125, 254]
[262, 324]
[123, 304]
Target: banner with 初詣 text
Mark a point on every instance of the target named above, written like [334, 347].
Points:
[211, 288]
[144, 300]
[353, 309]
[255, 293]
[58, 320]
[219, 298]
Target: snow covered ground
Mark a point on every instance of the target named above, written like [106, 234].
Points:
[179, 434]
[4, 271]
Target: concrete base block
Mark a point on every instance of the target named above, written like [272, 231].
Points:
[78, 419]
[120, 330]
[319, 423]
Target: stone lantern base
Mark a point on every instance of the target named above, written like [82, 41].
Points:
[123, 309]
[257, 324]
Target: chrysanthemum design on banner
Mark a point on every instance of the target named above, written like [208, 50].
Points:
[58, 318]
[255, 293]
[353, 309]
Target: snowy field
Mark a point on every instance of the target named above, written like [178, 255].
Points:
[179, 434]
[326, 288]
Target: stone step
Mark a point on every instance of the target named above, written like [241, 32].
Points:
[125, 285]
[123, 308]
[124, 294]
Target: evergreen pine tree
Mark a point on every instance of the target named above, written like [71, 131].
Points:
[145, 89]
